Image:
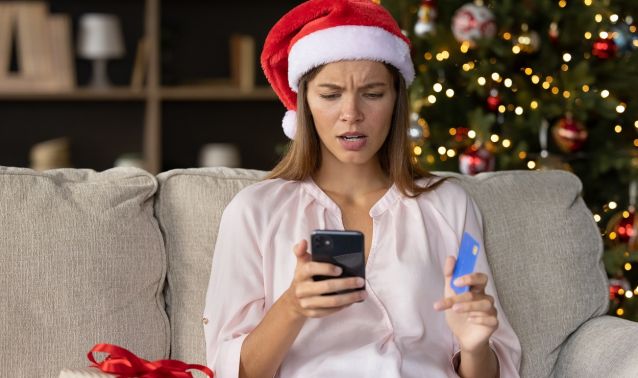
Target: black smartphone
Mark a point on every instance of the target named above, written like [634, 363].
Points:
[344, 249]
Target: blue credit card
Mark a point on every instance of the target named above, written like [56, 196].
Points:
[466, 260]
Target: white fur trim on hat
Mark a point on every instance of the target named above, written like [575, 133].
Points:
[348, 42]
[289, 124]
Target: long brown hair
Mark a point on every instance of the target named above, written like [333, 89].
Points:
[303, 157]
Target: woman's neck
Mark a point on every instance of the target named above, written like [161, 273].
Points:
[351, 180]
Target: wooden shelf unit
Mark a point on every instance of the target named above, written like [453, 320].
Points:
[153, 94]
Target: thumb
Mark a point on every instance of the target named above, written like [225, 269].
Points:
[301, 251]
[448, 270]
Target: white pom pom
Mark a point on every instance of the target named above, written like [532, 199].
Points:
[289, 124]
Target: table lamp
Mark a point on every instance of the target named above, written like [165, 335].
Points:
[99, 39]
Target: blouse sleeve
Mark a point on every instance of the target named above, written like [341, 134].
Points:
[503, 341]
[235, 296]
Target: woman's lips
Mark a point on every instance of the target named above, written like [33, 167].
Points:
[353, 144]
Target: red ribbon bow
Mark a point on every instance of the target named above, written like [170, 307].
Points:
[125, 364]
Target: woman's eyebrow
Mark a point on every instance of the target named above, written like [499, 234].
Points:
[367, 86]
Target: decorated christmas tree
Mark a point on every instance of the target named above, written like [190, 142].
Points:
[535, 84]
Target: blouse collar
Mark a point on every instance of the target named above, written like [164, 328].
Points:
[384, 203]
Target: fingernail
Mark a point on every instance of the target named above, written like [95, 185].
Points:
[360, 281]
[458, 282]
[338, 270]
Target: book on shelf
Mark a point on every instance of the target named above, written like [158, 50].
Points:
[242, 61]
[63, 60]
[43, 48]
[33, 50]
[140, 65]
[7, 25]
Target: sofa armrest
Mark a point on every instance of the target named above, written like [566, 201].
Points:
[601, 347]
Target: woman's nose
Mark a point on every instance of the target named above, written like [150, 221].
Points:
[350, 111]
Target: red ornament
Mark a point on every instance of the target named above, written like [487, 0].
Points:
[604, 48]
[476, 159]
[493, 101]
[625, 227]
[553, 32]
[615, 287]
[461, 133]
[569, 134]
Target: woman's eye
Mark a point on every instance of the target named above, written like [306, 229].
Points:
[329, 96]
[374, 95]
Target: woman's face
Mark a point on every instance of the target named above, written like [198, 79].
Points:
[352, 104]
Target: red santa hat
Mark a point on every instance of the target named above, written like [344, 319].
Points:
[323, 31]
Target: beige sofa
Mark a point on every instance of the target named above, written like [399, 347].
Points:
[124, 257]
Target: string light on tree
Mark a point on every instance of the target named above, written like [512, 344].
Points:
[528, 41]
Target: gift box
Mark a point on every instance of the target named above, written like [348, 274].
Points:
[121, 363]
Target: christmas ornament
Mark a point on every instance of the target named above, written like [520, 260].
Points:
[476, 159]
[471, 22]
[569, 134]
[604, 48]
[632, 242]
[418, 130]
[547, 161]
[494, 100]
[553, 32]
[623, 38]
[623, 224]
[618, 287]
[426, 17]
[461, 133]
[624, 228]
[528, 41]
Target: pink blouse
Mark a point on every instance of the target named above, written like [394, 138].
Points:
[395, 332]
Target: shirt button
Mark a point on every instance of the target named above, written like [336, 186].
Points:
[205, 321]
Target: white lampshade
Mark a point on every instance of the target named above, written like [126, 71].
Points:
[100, 36]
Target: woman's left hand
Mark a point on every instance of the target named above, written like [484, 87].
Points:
[471, 316]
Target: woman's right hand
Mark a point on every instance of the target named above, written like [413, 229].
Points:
[305, 294]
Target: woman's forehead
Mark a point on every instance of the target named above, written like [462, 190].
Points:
[362, 71]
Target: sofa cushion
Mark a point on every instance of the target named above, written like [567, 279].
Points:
[189, 206]
[545, 251]
[82, 263]
[541, 241]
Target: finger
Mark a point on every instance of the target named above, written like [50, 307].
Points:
[301, 251]
[321, 312]
[476, 281]
[313, 268]
[447, 302]
[482, 305]
[311, 288]
[448, 268]
[332, 301]
[478, 314]
[490, 321]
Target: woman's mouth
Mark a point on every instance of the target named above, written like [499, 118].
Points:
[353, 142]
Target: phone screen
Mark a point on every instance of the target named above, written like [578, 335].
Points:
[344, 249]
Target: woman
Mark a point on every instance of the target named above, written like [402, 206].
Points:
[348, 167]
